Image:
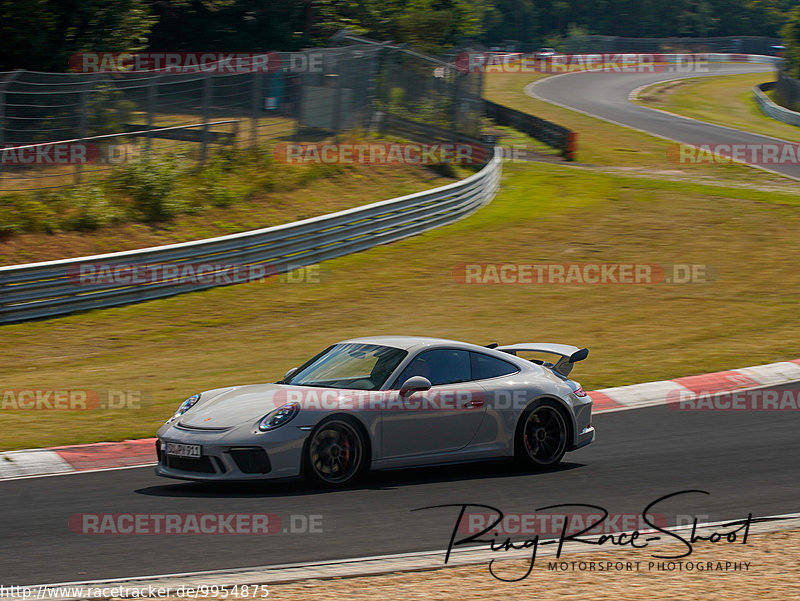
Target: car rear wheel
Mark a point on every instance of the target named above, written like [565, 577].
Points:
[541, 439]
[335, 455]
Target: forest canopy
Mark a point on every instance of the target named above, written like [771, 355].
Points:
[41, 35]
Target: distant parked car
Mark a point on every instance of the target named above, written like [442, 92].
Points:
[777, 50]
[544, 53]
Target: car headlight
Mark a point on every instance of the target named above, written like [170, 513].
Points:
[278, 417]
[186, 405]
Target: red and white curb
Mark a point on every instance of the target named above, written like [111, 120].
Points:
[659, 393]
[135, 453]
[77, 458]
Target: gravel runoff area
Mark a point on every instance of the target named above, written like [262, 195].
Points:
[766, 568]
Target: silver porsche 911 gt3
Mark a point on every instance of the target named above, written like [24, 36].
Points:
[384, 402]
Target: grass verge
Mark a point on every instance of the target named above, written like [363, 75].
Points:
[250, 333]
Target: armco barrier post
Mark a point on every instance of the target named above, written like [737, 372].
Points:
[152, 100]
[571, 150]
[83, 128]
[256, 100]
[208, 91]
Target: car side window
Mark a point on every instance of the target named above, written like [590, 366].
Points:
[440, 366]
[484, 367]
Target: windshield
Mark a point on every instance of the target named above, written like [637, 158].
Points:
[350, 365]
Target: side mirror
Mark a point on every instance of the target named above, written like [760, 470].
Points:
[289, 374]
[415, 384]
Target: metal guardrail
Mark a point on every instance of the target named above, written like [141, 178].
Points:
[720, 57]
[545, 131]
[423, 133]
[771, 109]
[727, 44]
[51, 288]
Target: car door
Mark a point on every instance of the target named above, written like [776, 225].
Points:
[444, 418]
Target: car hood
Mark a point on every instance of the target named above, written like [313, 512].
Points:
[236, 406]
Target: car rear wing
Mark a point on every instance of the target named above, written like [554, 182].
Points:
[569, 355]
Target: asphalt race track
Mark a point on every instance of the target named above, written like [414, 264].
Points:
[605, 95]
[747, 461]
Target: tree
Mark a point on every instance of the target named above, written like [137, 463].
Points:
[791, 39]
[41, 35]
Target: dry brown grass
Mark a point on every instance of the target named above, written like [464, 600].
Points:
[354, 186]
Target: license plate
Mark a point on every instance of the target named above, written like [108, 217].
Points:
[183, 450]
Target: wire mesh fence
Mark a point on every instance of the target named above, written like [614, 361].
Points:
[60, 129]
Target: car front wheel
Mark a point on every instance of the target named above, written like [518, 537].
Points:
[335, 455]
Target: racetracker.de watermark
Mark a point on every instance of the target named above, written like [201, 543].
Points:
[54, 153]
[713, 153]
[67, 153]
[217, 274]
[759, 399]
[384, 400]
[557, 524]
[511, 62]
[380, 153]
[123, 591]
[198, 62]
[250, 524]
[583, 273]
[453, 398]
[51, 399]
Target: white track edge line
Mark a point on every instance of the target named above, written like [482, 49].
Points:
[74, 472]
